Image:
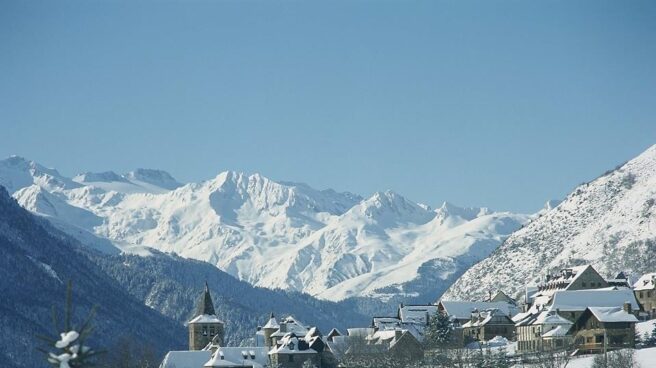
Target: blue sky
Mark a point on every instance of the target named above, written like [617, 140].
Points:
[499, 104]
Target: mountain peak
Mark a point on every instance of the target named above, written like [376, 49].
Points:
[103, 177]
[159, 178]
[466, 213]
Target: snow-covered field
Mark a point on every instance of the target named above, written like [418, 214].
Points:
[646, 358]
[269, 233]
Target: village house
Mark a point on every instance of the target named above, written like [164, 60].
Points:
[645, 292]
[544, 331]
[410, 318]
[486, 324]
[460, 311]
[396, 343]
[601, 329]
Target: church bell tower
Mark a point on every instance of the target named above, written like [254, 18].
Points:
[205, 326]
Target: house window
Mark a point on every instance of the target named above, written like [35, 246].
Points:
[641, 294]
[291, 358]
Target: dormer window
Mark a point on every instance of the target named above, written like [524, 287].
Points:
[221, 355]
[244, 354]
[291, 346]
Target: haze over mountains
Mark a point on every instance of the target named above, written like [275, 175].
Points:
[272, 234]
[609, 222]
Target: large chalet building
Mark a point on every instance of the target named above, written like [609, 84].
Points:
[577, 309]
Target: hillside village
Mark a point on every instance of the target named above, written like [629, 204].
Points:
[573, 312]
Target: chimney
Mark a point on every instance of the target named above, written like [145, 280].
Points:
[627, 307]
[397, 334]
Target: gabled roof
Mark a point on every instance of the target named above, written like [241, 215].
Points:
[646, 282]
[238, 357]
[579, 300]
[463, 310]
[417, 313]
[612, 314]
[558, 331]
[333, 333]
[551, 318]
[179, 359]
[484, 318]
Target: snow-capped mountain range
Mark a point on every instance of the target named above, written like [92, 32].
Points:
[609, 222]
[269, 233]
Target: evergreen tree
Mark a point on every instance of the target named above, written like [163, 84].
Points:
[637, 340]
[68, 350]
[646, 340]
[439, 332]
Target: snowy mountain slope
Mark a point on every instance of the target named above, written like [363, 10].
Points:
[36, 261]
[609, 223]
[137, 181]
[275, 234]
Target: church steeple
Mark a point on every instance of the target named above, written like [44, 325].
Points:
[205, 305]
[205, 327]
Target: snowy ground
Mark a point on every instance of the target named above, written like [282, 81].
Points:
[646, 359]
[646, 327]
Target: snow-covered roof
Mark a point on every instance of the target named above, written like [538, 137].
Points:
[205, 318]
[290, 345]
[612, 314]
[557, 331]
[483, 318]
[360, 331]
[521, 316]
[382, 335]
[185, 359]
[463, 310]
[551, 318]
[272, 323]
[417, 313]
[292, 325]
[645, 282]
[579, 300]
[238, 356]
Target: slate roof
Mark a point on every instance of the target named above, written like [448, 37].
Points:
[238, 357]
[185, 359]
[579, 300]
[612, 314]
[463, 310]
[205, 304]
[646, 282]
